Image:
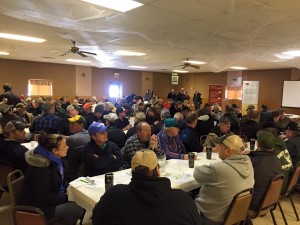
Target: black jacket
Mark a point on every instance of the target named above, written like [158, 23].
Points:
[250, 128]
[105, 162]
[190, 139]
[116, 135]
[42, 185]
[14, 152]
[147, 201]
[266, 165]
[12, 99]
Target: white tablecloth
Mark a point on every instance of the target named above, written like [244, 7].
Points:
[30, 145]
[177, 171]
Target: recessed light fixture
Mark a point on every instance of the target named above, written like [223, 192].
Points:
[180, 71]
[292, 53]
[78, 61]
[194, 62]
[238, 68]
[118, 5]
[4, 53]
[21, 37]
[138, 67]
[128, 53]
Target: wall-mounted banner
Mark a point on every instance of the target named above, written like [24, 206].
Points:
[250, 94]
[215, 94]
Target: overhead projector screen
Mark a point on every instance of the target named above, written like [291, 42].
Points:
[291, 94]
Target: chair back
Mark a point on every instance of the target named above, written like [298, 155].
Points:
[28, 215]
[293, 182]
[272, 193]
[15, 182]
[5, 168]
[238, 208]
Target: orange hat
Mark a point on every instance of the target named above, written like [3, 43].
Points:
[87, 105]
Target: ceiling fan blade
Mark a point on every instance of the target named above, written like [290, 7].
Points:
[65, 53]
[184, 66]
[81, 54]
[195, 66]
[91, 53]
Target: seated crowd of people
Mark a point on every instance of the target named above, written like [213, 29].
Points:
[89, 138]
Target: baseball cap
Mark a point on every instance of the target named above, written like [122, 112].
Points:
[293, 126]
[112, 117]
[266, 140]
[77, 119]
[47, 106]
[70, 108]
[145, 158]
[170, 122]
[20, 105]
[165, 113]
[87, 105]
[96, 127]
[250, 107]
[232, 141]
[14, 125]
[99, 108]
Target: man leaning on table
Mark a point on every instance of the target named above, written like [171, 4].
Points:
[221, 181]
[148, 199]
[141, 140]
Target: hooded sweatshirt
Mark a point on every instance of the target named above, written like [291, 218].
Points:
[146, 200]
[220, 182]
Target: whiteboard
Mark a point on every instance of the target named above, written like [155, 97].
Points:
[291, 94]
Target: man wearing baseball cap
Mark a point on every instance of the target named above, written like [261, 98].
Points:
[46, 121]
[115, 134]
[122, 121]
[11, 148]
[292, 133]
[148, 199]
[64, 124]
[221, 181]
[100, 155]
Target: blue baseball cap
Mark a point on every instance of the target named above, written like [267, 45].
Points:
[96, 127]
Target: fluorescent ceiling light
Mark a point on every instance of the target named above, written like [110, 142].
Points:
[238, 68]
[128, 53]
[180, 71]
[78, 61]
[21, 37]
[4, 53]
[194, 62]
[138, 67]
[118, 5]
[292, 53]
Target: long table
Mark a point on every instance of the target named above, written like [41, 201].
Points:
[181, 176]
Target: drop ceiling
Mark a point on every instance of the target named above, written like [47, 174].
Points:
[223, 33]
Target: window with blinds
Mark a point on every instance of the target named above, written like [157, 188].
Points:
[40, 87]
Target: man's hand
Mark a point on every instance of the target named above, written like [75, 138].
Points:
[153, 141]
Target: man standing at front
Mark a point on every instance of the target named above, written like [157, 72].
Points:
[147, 200]
[221, 181]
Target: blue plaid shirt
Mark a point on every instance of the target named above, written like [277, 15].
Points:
[46, 122]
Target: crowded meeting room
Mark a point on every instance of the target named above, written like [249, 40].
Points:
[161, 112]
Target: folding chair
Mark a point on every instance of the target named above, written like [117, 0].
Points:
[5, 168]
[290, 188]
[15, 181]
[28, 215]
[270, 199]
[238, 209]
